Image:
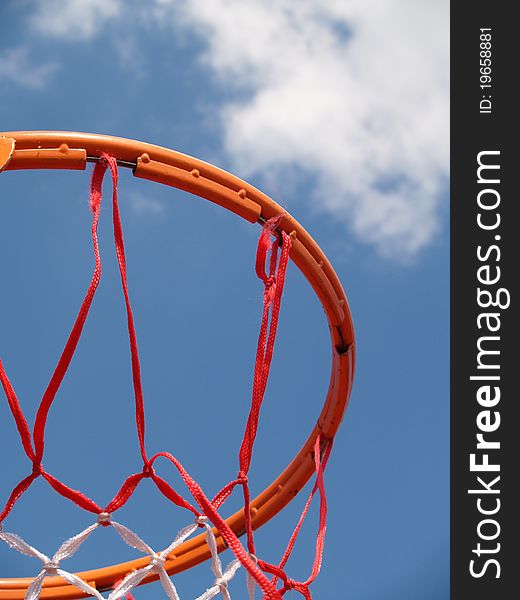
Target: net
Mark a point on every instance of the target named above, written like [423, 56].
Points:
[274, 248]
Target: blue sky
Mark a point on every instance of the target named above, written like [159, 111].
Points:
[337, 111]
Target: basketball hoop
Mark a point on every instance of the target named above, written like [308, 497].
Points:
[281, 237]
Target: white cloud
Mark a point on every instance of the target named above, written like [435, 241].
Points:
[73, 19]
[16, 66]
[354, 93]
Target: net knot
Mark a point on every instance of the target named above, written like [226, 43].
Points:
[202, 521]
[51, 568]
[292, 584]
[104, 519]
[270, 290]
[222, 584]
[157, 561]
[269, 281]
[242, 477]
[37, 468]
[148, 470]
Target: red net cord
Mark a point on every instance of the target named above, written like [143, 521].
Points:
[75, 334]
[273, 289]
[121, 259]
[35, 455]
[268, 251]
[319, 486]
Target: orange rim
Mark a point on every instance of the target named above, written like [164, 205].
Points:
[65, 150]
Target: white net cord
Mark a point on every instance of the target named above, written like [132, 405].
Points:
[51, 566]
